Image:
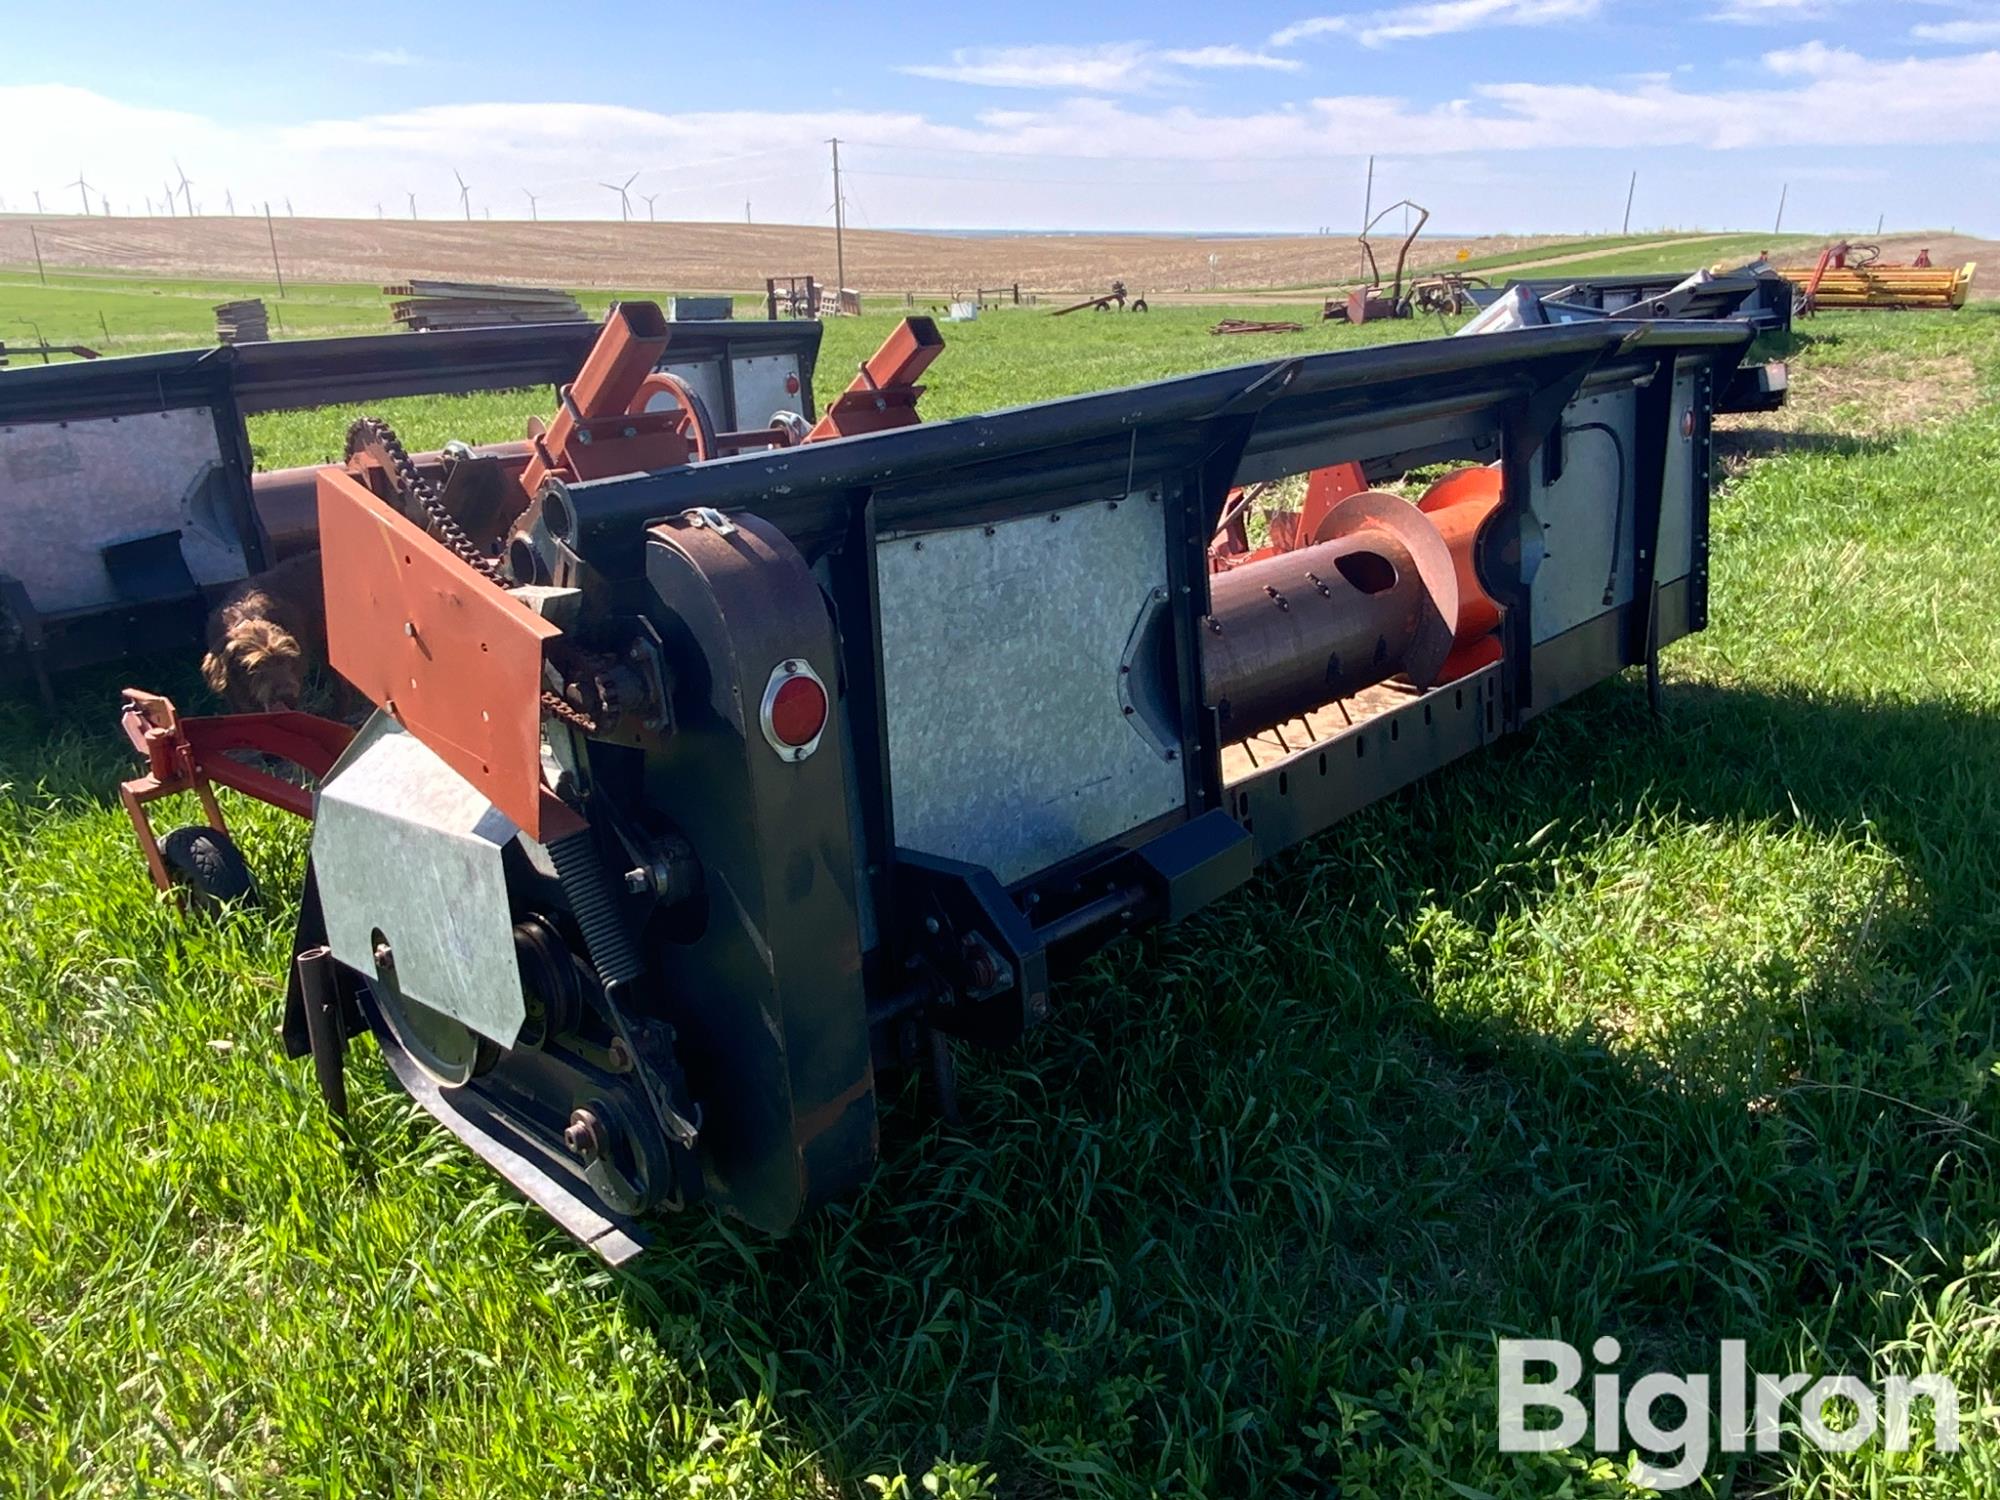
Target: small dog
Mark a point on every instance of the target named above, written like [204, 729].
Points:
[266, 637]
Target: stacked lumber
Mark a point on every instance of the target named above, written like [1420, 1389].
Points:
[243, 322]
[427, 305]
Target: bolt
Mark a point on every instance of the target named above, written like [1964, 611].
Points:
[638, 880]
[410, 629]
[1038, 1007]
[931, 925]
[619, 1054]
[584, 1138]
[1160, 595]
[385, 956]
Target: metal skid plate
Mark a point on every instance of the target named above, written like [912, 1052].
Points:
[405, 847]
[1009, 741]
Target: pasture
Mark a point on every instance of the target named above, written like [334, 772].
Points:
[1675, 1030]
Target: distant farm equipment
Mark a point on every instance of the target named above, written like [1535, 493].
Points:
[806, 297]
[1116, 297]
[1855, 275]
[1445, 294]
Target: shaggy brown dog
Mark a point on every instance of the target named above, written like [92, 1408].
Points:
[266, 636]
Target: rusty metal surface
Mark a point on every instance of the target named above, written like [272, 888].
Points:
[885, 393]
[1295, 631]
[425, 638]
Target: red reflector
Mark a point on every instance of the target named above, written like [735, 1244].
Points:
[791, 385]
[798, 711]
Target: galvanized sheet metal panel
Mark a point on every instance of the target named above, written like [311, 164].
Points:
[404, 845]
[1009, 746]
[69, 489]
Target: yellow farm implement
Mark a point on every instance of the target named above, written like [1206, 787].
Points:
[1852, 276]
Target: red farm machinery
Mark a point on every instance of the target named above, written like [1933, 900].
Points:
[723, 757]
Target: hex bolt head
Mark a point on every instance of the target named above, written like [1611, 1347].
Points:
[638, 880]
[619, 1054]
[584, 1138]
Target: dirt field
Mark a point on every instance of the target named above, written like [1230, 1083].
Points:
[694, 257]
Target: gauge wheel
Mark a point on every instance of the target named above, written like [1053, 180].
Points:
[207, 861]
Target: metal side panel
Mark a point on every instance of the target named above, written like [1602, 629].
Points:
[1010, 745]
[1591, 508]
[1588, 514]
[761, 383]
[131, 477]
[1684, 465]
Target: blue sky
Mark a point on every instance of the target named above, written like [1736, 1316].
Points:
[1501, 115]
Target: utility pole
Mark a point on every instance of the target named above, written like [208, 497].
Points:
[272, 230]
[1783, 192]
[1368, 196]
[1627, 229]
[839, 226]
[36, 240]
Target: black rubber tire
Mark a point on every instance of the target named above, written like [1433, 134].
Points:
[1138, 304]
[208, 862]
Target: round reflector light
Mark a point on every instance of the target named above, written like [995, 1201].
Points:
[794, 709]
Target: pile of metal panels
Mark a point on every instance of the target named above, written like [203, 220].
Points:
[243, 322]
[428, 305]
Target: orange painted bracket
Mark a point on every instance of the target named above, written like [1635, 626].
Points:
[885, 393]
[455, 659]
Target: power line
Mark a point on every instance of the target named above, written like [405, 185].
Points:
[839, 224]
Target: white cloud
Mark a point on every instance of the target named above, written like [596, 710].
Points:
[1071, 162]
[1230, 57]
[1441, 18]
[1815, 60]
[1962, 33]
[1770, 12]
[387, 57]
[1107, 68]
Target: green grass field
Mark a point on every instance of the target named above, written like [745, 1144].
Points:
[1675, 1031]
[120, 314]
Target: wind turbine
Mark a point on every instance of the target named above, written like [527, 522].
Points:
[172, 212]
[378, 212]
[624, 198]
[464, 196]
[413, 205]
[534, 214]
[83, 190]
[649, 197]
[229, 202]
[186, 196]
[38, 200]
